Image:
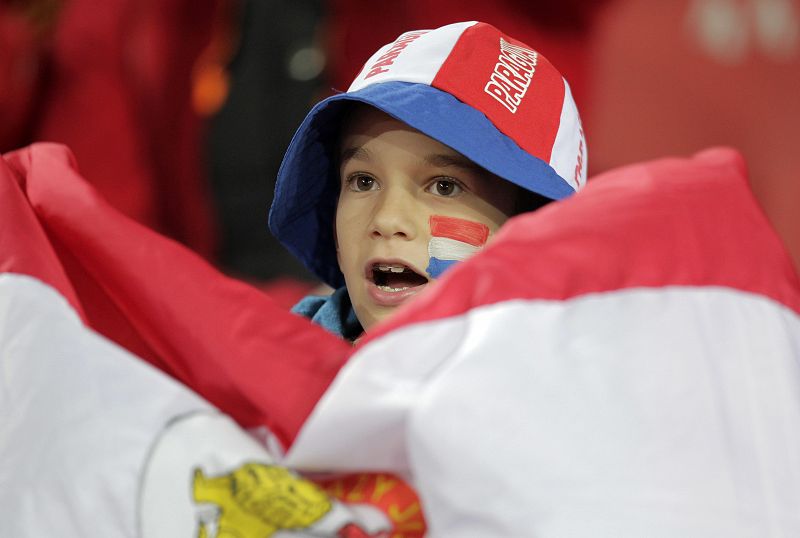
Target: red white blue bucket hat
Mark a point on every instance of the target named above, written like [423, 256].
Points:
[488, 96]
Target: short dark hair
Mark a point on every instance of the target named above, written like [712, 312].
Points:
[527, 201]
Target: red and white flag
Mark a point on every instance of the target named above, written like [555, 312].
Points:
[94, 441]
[622, 363]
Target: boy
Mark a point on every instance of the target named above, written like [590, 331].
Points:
[442, 136]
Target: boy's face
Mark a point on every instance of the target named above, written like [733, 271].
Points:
[393, 179]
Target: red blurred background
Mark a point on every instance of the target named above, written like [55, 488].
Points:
[179, 111]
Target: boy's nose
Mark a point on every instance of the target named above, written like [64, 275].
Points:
[394, 215]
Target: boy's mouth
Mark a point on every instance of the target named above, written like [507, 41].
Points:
[396, 277]
[392, 282]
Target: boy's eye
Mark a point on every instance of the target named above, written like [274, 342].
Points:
[361, 183]
[445, 187]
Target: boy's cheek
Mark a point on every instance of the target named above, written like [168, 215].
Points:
[453, 240]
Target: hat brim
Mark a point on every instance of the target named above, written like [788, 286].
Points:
[306, 191]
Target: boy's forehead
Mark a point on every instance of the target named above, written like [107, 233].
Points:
[366, 123]
[365, 120]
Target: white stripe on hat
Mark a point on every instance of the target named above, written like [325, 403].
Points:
[569, 158]
[413, 57]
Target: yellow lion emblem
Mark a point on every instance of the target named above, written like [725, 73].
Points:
[257, 500]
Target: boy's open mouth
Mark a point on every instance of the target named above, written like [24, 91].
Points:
[393, 277]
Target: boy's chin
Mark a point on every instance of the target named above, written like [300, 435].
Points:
[371, 317]
[381, 305]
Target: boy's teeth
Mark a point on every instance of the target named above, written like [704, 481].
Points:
[390, 268]
[389, 288]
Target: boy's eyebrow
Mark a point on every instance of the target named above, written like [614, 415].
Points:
[440, 160]
[357, 152]
[443, 160]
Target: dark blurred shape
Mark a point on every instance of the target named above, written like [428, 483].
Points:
[112, 80]
[25, 32]
[275, 76]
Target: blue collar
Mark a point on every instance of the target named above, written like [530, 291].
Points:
[334, 313]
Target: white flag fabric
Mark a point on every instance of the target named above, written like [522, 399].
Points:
[95, 442]
[624, 363]
[79, 415]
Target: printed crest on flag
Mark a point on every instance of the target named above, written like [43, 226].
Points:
[204, 473]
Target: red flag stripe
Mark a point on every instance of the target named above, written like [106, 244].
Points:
[467, 231]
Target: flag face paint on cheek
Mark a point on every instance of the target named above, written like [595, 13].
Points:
[453, 240]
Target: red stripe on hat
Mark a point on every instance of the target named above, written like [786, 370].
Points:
[490, 71]
[467, 231]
